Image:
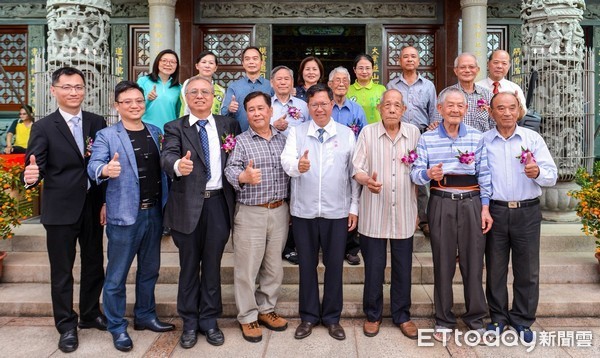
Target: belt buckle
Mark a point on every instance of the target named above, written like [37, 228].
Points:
[206, 194]
[457, 197]
[513, 204]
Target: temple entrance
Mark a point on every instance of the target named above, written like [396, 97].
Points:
[334, 45]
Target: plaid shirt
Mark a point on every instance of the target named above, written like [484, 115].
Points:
[266, 155]
[476, 117]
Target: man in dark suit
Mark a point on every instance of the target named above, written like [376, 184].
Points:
[199, 210]
[58, 152]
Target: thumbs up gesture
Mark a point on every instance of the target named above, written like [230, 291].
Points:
[532, 170]
[250, 175]
[113, 168]
[281, 124]
[186, 165]
[436, 172]
[373, 185]
[304, 163]
[152, 94]
[233, 105]
[32, 172]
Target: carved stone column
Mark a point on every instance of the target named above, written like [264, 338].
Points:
[474, 31]
[553, 45]
[162, 26]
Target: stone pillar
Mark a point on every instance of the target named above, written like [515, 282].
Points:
[162, 26]
[474, 32]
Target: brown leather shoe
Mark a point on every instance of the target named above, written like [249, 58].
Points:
[336, 331]
[304, 330]
[409, 329]
[251, 331]
[370, 329]
[272, 321]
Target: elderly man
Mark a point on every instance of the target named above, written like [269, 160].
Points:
[199, 210]
[127, 157]
[261, 219]
[478, 97]
[251, 81]
[520, 164]
[420, 98]
[288, 111]
[388, 209]
[453, 160]
[324, 207]
[498, 66]
[350, 114]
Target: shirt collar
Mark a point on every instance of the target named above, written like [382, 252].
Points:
[260, 79]
[401, 78]
[329, 128]
[381, 130]
[358, 86]
[276, 99]
[211, 120]
[518, 132]
[462, 130]
[345, 104]
[274, 132]
[68, 116]
[476, 88]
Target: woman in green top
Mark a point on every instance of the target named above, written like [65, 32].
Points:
[19, 131]
[206, 64]
[162, 88]
[364, 91]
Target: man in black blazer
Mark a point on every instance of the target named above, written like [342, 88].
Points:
[58, 152]
[199, 210]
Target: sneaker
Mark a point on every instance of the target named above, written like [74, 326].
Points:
[251, 331]
[272, 321]
[525, 333]
[352, 259]
[442, 334]
[496, 327]
[292, 258]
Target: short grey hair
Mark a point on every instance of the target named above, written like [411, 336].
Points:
[392, 90]
[448, 91]
[197, 78]
[465, 54]
[339, 69]
[281, 67]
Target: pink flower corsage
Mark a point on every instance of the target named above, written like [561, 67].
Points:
[228, 143]
[89, 142]
[466, 157]
[294, 112]
[410, 157]
[355, 127]
[523, 156]
[482, 104]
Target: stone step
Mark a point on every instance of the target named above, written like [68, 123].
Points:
[555, 238]
[556, 300]
[555, 267]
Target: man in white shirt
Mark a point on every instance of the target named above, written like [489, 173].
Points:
[498, 66]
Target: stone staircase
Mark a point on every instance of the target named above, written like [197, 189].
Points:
[569, 278]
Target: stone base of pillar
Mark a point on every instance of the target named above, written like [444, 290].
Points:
[556, 205]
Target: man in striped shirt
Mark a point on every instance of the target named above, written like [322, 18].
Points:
[453, 159]
[387, 210]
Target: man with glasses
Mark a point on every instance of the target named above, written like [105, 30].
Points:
[58, 152]
[199, 210]
[127, 157]
[324, 207]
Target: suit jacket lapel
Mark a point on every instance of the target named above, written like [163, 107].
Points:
[64, 129]
[87, 127]
[126, 143]
[191, 132]
[222, 133]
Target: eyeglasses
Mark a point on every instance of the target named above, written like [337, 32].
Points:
[164, 61]
[361, 68]
[317, 105]
[464, 68]
[69, 88]
[130, 102]
[337, 81]
[204, 93]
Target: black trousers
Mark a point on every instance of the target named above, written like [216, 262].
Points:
[330, 236]
[515, 232]
[62, 243]
[199, 296]
[352, 243]
[374, 252]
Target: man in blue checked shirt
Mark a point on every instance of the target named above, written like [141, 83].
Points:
[453, 160]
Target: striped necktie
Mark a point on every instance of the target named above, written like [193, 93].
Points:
[205, 147]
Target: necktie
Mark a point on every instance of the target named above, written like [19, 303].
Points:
[321, 131]
[496, 84]
[205, 148]
[77, 132]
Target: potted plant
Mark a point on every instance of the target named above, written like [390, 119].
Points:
[588, 208]
[12, 193]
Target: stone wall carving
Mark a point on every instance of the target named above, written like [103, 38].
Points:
[22, 10]
[130, 10]
[265, 9]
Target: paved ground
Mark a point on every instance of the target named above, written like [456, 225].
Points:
[36, 337]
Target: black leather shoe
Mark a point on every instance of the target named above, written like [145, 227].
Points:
[155, 325]
[336, 331]
[188, 338]
[214, 336]
[304, 330]
[98, 323]
[122, 341]
[68, 341]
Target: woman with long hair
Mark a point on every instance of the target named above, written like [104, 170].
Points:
[310, 73]
[19, 131]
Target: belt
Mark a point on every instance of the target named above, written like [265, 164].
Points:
[455, 196]
[271, 205]
[516, 204]
[148, 203]
[210, 193]
[455, 181]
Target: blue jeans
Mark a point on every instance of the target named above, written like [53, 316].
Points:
[124, 243]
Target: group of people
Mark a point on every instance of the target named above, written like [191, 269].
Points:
[341, 167]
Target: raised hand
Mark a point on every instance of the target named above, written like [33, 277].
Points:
[250, 175]
[531, 168]
[113, 168]
[32, 172]
[373, 185]
[304, 163]
[436, 172]
[185, 164]
[281, 124]
[152, 94]
[233, 105]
